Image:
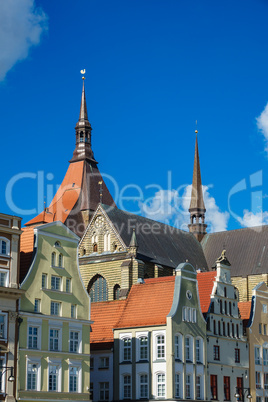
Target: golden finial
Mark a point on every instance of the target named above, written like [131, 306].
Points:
[83, 72]
[196, 127]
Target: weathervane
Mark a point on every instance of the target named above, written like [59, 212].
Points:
[83, 72]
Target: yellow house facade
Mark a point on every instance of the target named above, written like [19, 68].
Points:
[54, 333]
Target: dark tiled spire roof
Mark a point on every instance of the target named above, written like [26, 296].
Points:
[197, 201]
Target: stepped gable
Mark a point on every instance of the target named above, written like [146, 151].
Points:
[105, 316]
[247, 250]
[156, 294]
[158, 243]
[83, 186]
[26, 251]
[205, 285]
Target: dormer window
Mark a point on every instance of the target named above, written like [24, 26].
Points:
[57, 244]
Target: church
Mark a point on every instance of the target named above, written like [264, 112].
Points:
[117, 248]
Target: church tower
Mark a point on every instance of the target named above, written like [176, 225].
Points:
[197, 207]
[83, 187]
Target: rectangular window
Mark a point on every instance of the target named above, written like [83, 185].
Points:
[258, 379]
[240, 387]
[188, 386]
[68, 285]
[260, 328]
[216, 352]
[184, 314]
[73, 311]
[92, 363]
[177, 385]
[144, 386]
[237, 355]
[265, 380]
[178, 347]
[91, 396]
[37, 304]
[127, 349]
[143, 347]
[161, 385]
[213, 387]
[104, 391]
[258, 399]
[53, 378]
[74, 341]
[160, 347]
[264, 329]
[197, 350]
[104, 362]
[198, 387]
[3, 279]
[3, 326]
[257, 355]
[264, 308]
[73, 378]
[55, 308]
[44, 281]
[194, 315]
[32, 371]
[54, 339]
[187, 349]
[265, 356]
[55, 282]
[32, 337]
[127, 387]
[226, 382]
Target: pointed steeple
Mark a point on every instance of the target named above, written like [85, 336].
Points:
[197, 207]
[83, 130]
[133, 245]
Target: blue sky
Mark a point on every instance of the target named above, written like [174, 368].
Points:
[153, 68]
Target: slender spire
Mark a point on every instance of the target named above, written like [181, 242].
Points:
[197, 207]
[83, 150]
[133, 245]
[83, 108]
[197, 201]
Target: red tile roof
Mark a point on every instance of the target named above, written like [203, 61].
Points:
[148, 303]
[105, 316]
[65, 198]
[244, 308]
[26, 250]
[205, 286]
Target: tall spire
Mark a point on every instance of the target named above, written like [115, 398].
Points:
[197, 207]
[83, 130]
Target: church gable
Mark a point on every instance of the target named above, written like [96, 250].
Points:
[101, 236]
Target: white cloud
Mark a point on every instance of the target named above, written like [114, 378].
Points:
[21, 26]
[262, 123]
[168, 207]
[250, 219]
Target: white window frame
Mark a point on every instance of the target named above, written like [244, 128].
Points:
[44, 276]
[68, 280]
[79, 348]
[200, 385]
[32, 324]
[265, 383]
[59, 329]
[52, 363]
[160, 390]
[34, 361]
[178, 346]
[73, 311]
[184, 314]
[7, 241]
[126, 347]
[265, 356]
[257, 355]
[258, 374]
[6, 272]
[143, 348]
[178, 385]
[142, 394]
[160, 346]
[5, 316]
[37, 305]
[201, 354]
[189, 347]
[58, 280]
[55, 303]
[189, 385]
[75, 364]
[127, 386]
[104, 362]
[60, 261]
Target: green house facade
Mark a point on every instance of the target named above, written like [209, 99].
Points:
[54, 333]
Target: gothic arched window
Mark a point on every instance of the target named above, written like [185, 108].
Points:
[98, 289]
